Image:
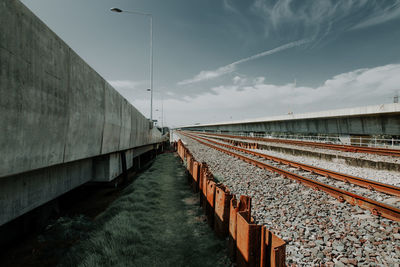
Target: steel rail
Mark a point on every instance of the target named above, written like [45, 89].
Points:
[345, 148]
[367, 183]
[376, 208]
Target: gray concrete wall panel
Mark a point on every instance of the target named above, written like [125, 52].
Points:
[22, 193]
[54, 108]
[86, 111]
[391, 125]
[387, 124]
[112, 122]
[33, 122]
[126, 121]
[134, 118]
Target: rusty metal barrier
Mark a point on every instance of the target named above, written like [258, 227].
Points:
[222, 204]
[272, 249]
[249, 244]
[189, 160]
[203, 192]
[203, 169]
[211, 185]
[248, 240]
[195, 175]
[236, 206]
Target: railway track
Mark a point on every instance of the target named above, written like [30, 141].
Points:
[366, 183]
[345, 148]
[377, 208]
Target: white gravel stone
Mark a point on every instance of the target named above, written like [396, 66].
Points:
[388, 177]
[366, 156]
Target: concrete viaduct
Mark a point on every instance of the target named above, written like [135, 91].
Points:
[61, 123]
[360, 121]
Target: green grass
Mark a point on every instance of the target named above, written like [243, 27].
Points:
[156, 222]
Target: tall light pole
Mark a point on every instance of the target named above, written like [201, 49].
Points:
[114, 9]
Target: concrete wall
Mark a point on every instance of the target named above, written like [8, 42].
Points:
[61, 123]
[23, 192]
[55, 108]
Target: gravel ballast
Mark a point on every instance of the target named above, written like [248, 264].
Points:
[317, 228]
[388, 177]
[365, 156]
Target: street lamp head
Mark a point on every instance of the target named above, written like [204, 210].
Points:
[115, 9]
[148, 89]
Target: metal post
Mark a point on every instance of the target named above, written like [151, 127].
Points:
[151, 51]
[162, 113]
[151, 67]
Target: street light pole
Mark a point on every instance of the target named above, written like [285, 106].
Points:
[114, 9]
[151, 67]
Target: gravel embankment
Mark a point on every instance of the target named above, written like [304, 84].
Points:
[318, 228]
[388, 177]
[365, 156]
[375, 195]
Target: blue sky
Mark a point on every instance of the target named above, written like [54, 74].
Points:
[233, 59]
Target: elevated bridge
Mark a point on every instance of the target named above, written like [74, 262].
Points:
[62, 124]
[370, 123]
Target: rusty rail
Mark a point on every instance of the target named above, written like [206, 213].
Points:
[250, 244]
[367, 183]
[376, 208]
[345, 148]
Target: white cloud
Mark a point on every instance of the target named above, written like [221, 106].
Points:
[126, 84]
[388, 13]
[209, 74]
[319, 19]
[212, 74]
[257, 98]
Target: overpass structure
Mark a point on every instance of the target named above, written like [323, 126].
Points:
[61, 123]
[383, 120]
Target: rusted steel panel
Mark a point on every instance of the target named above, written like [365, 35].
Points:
[196, 171]
[233, 209]
[179, 149]
[210, 202]
[204, 182]
[191, 165]
[203, 167]
[203, 192]
[195, 175]
[188, 161]
[273, 250]
[211, 185]
[248, 241]
[235, 206]
[245, 205]
[222, 203]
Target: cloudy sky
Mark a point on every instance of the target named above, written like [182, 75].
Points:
[221, 60]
